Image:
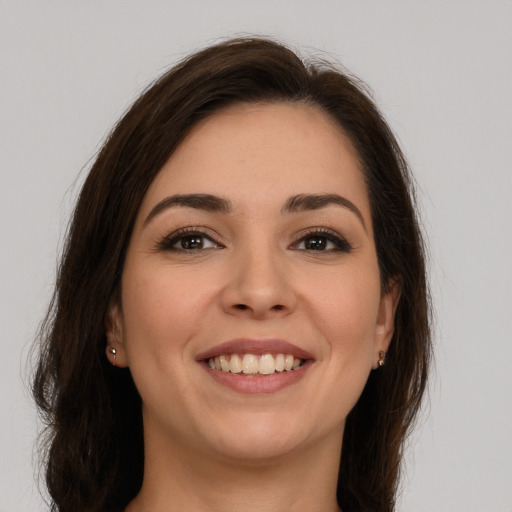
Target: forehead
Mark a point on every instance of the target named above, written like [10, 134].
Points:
[257, 154]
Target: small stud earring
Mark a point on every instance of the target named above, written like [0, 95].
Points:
[382, 358]
[113, 351]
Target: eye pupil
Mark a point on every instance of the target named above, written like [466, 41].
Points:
[315, 243]
[192, 242]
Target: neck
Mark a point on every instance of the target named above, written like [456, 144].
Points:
[295, 482]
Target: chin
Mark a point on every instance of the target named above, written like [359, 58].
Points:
[258, 437]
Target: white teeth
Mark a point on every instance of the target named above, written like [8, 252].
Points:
[251, 364]
[224, 364]
[267, 364]
[279, 362]
[235, 365]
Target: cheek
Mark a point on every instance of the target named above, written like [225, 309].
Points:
[346, 309]
[162, 309]
[162, 312]
[343, 313]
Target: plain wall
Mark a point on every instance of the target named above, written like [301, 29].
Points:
[442, 74]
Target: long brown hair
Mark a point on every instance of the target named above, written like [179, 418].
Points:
[93, 447]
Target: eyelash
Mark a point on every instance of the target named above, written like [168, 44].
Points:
[324, 233]
[167, 242]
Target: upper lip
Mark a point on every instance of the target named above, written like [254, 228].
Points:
[256, 347]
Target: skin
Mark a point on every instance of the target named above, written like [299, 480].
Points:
[209, 447]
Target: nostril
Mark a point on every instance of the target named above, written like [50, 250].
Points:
[245, 307]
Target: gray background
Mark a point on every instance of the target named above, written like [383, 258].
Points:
[442, 74]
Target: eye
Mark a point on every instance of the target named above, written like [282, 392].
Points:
[188, 239]
[322, 241]
[193, 242]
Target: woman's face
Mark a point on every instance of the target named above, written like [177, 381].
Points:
[253, 253]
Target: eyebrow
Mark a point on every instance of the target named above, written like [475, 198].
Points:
[206, 202]
[305, 202]
[212, 203]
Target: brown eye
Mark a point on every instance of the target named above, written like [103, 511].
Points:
[187, 240]
[315, 243]
[321, 241]
[191, 242]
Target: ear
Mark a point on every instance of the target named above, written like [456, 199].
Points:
[386, 320]
[115, 336]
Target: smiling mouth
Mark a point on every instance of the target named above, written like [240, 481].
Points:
[251, 364]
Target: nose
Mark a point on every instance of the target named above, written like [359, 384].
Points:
[259, 287]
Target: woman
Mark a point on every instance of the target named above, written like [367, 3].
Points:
[241, 315]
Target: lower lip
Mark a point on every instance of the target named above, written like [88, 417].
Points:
[256, 384]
